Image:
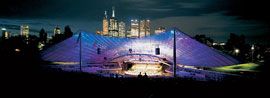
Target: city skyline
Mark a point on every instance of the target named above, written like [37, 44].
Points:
[194, 17]
[144, 48]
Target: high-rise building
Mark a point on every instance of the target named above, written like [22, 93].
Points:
[134, 28]
[148, 27]
[128, 33]
[105, 25]
[57, 30]
[114, 28]
[113, 25]
[25, 31]
[122, 29]
[144, 28]
[160, 30]
[5, 34]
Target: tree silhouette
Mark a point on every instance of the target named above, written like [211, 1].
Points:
[237, 42]
[43, 36]
[205, 40]
[68, 33]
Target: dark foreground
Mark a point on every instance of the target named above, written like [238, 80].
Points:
[25, 75]
[33, 79]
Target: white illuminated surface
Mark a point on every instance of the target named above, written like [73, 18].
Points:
[236, 50]
[3, 29]
[252, 48]
[148, 47]
[149, 69]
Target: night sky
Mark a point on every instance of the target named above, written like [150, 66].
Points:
[215, 18]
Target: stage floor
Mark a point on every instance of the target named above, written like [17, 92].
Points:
[148, 69]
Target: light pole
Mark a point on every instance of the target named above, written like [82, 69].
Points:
[237, 51]
[80, 39]
[174, 53]
[252, 53]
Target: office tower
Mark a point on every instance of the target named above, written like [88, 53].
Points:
[5, 34]
[160, 30]
[134, 28]
[122, 29]
[128, 33]
[25, 31]
[57, 30]
[148, 28]
[144, 28]
[113, 25]
[105, 25]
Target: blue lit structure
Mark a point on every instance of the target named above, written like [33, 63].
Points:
[97, 49]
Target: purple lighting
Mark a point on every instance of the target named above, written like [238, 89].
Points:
[189, 51]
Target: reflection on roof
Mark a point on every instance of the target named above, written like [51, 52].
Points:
[189, 51]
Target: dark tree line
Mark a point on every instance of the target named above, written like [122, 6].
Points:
[57, 37]
[19, 49]
[205, 40]
[237, 42]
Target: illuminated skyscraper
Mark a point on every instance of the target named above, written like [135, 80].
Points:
[144, 28]
[122, 29]
[160, 30]
[147, 28]
[57, 30]
[4, 30]
[25, 31]
[5, 34]
[113, 27]
[105, 25]
[128, 33]
[134, 28]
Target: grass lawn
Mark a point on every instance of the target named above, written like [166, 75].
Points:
[248, 67]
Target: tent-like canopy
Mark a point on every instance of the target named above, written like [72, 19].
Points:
[100, 49]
